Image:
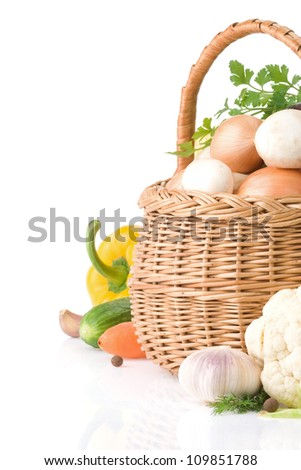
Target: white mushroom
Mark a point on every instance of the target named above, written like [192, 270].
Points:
[278, 139]
[208, 176]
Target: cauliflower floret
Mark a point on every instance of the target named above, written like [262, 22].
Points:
[254, 339]
[274, 340]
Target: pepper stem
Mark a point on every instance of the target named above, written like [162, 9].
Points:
[117, 273]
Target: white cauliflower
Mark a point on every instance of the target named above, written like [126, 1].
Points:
[274, 341]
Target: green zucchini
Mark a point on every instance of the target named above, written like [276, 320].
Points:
[100, 318]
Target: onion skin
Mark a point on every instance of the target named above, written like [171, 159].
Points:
[272, 182]
[175, 181]
[238, 178]
[233, 144]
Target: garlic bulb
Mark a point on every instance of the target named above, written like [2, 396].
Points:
[218, 371]
[233, 143]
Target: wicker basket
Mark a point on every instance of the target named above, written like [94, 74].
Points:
[205, 265]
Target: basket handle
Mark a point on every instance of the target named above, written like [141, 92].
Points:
[187, 114]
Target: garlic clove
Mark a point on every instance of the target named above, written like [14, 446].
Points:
[70, 323]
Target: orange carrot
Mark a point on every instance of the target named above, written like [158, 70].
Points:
[121, 340]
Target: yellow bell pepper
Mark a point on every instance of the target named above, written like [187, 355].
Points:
[111, 262]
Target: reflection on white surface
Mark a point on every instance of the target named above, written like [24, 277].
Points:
[199, 429]
[280, 434]
[142, 406]
[155, 419]
[140, 410]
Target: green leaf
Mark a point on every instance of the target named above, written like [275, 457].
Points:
[186, 150]
[266, 113]
[286, 413]
[223, 110]
[235, 111]
[278, 74]
[281, 88]
[291, 100]
[204, 144]
[207, 123]
[205, 130]
[264, 97]
[296, 79]
[240, 75]
[240, 100]
[277, 102]
[263, 77]
[298, 96]
[251, 98]
[254, 98]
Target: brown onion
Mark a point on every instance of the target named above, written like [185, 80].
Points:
[233, 143]
[273, 182]
[175, 181]
[238, 178]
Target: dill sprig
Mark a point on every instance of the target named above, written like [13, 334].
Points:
[233, 404]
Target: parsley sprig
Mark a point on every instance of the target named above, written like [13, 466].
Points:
[261, 95]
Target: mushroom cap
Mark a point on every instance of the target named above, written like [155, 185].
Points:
[208, 176]
[278, 139]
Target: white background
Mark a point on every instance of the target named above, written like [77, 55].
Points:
[90, 93]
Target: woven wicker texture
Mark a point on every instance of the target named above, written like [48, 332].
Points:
[206, 265]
